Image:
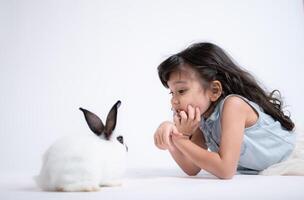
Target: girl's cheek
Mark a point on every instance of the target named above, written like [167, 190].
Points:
[202, 111]
[204, 108]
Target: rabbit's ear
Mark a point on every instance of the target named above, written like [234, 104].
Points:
[111, 120]
[93, 121]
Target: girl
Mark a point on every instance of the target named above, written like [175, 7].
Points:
[223, 120]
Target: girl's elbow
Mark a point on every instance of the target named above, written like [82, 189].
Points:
[226, 174]
[191, 172]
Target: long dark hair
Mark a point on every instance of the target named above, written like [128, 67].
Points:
[212, 63]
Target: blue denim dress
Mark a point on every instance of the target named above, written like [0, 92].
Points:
[264, 144]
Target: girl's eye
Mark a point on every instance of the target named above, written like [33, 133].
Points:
[181, 91]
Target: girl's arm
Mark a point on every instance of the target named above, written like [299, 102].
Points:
[163, 140]
[185, 163]
[224, 163]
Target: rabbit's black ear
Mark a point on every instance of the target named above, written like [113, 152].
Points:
[93, 121]
[111, 120]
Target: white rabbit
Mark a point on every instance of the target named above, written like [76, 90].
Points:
[85, 163]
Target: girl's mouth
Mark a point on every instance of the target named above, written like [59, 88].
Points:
[176, 112]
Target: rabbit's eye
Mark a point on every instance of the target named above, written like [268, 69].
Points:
[120, 139]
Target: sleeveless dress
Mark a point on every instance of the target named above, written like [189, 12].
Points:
[264, 144]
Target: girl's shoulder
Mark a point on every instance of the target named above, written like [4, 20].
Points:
[236, 105]
[232, 104]
[234, 101]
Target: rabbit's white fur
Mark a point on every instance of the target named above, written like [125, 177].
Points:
[82, 163]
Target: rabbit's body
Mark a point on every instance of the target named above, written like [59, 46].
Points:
[84, 163]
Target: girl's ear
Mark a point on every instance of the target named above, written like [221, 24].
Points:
[111, 120]
[93, 121]
[216, 90]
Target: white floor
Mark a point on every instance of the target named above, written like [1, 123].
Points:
[169, 184]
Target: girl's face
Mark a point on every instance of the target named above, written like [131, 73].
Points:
[186, 88]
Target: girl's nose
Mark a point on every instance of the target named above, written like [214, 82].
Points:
[174, 101]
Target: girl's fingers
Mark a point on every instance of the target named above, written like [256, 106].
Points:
[197, 114]
[157, 139]
[175, 132]
[162, 137]
[176, 120]
[191, 112]
[161, 143]
[184, 117]
[166, 138]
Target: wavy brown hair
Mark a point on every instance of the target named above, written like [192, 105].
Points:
[212, 63]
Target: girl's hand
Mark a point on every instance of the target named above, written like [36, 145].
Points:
[187, 124]
[162, 136]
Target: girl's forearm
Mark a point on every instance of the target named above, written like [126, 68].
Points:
[184, 163]
[209, 161]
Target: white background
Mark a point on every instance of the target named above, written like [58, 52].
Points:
[58, 55]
